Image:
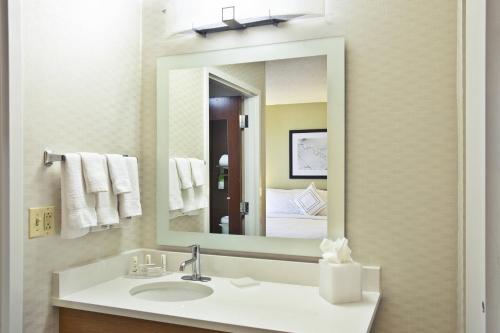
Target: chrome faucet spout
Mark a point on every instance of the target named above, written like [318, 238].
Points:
[185, 263]
[195, 263]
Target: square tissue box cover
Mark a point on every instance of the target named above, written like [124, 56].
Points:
[340, 283]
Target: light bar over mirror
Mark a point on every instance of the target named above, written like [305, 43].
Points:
[212, 16]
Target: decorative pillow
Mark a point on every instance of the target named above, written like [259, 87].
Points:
[310, 201]
[282, 201]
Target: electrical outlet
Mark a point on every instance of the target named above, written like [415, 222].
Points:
[36, 225]
[49, 220]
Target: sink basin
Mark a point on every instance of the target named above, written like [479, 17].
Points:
[173, 291]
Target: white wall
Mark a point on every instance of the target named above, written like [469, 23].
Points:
[493, 167]
[3, 155]
[401, 126]
[82, 84]
[296, 81]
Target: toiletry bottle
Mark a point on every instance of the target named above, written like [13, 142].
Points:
[134, 266]
[164, 263]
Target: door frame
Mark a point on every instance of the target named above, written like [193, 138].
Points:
[11, 159]
[251, 141]
[475, 165]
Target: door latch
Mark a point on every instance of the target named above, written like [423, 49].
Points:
[244, 208]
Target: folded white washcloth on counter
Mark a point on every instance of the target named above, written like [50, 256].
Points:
[96, 176]
[184, 171]
[78, 212]
[337, 251]
[118, 173]
[129, 204]
[107, 203]
[198, 169]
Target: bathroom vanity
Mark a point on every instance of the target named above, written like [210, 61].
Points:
[212, 193]
[99, 297]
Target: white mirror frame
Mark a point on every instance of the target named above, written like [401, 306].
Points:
[334, 50]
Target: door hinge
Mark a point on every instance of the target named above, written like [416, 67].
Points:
[244, 208]
[243, 121]
[484, 306]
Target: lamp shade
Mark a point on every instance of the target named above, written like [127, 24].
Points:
[184, 15]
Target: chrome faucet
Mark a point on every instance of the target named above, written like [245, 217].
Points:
[195, 263]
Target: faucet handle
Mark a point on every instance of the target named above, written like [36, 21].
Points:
[195, 249]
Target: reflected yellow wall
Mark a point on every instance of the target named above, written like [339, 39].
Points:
[280, 119]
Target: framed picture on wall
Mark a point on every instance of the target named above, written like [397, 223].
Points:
[308, 154]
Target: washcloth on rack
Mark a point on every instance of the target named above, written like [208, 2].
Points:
[95, 173]
[78, 212]
[198, 170]
[118, 173]
[106, 202]
[184, 171]
[175, 195]
[129, 204]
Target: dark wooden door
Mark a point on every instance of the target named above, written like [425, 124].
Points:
[224, 126]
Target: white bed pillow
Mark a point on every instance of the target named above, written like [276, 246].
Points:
[309, 201]
[282, 201]
[324, 195]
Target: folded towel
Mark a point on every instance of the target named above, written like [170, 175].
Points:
[96, 177]
[106, 202]
[175, 195]
[194, 200]
[198, 170]
[129, 204]
[184, 171]
[118, 173]
[77, 207]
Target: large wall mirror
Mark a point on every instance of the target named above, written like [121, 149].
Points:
[250, 147]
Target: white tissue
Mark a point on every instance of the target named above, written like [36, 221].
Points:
[336, 252]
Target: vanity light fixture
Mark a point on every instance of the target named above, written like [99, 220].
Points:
[229, 22]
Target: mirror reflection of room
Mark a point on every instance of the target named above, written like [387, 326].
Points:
[296, 148]
[253, 137]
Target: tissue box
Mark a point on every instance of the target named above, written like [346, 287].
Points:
[340, 283]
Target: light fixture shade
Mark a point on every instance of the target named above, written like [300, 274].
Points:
[184, 15]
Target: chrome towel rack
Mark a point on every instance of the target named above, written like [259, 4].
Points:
[49, 158]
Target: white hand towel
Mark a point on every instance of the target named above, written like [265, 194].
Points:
[175, 195]
[107, 202]
[184, 170]
[194, 200]
[96, 177]
[118, 173]
[189, 202]
[130, 203]
[77, 207]
[198, 170]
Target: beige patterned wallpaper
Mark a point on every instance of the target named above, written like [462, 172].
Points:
[82, 72]
[401, 143]
[186, 130]
[401, 135]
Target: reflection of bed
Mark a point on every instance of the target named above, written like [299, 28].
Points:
[296, 226]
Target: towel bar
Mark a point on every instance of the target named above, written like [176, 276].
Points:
[49, 158]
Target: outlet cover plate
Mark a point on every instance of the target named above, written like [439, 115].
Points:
[49, 220]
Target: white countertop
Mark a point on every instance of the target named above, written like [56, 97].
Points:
[268, 307]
